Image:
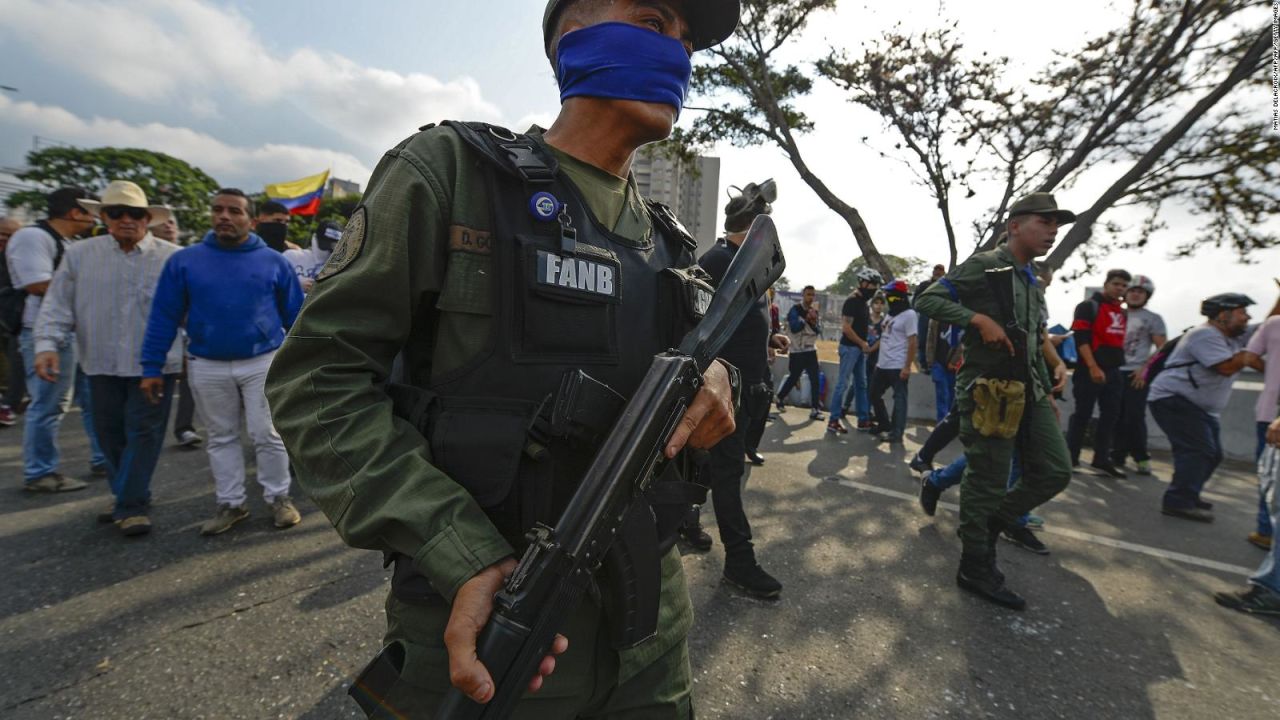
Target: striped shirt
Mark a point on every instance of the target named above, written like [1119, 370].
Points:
[103, 295]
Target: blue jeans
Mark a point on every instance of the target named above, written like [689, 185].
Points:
[84, 398]
[132, 434]
[944, 388]
[1265, 526]
[950, 476]
[49, 401]
[853, 366]
[1268, 574]
[1195, 436]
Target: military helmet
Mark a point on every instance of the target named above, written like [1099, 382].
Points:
[752, 200]
[1212, 306]
[711, 22]
[1142, 282]
[869, 275]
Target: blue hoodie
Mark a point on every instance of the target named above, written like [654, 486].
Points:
[237, 302]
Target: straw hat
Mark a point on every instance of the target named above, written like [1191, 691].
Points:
[127, 194]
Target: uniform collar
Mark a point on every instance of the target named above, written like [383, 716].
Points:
[1005, 254]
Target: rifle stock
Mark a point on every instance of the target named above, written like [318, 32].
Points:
[557, 568]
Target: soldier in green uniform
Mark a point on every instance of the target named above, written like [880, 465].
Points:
[996, 296]
[422, 390]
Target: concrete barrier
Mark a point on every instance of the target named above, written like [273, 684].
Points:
[1239, 434]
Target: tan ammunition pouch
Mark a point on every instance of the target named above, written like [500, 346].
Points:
[998, 407]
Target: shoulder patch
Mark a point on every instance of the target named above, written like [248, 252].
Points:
[348, 248]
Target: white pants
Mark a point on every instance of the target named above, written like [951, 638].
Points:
[222, 390]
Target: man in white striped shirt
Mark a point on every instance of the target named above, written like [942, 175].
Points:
[102, 292]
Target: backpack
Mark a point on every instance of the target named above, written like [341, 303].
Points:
[1160, 361]
[13, 300]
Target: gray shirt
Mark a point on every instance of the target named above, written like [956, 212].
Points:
[1189, 371]
[30, 255]
[104, 295]
[1138, 343]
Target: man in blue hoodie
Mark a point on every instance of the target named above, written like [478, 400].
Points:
[238, 297]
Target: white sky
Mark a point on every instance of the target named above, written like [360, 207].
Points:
[264, 91]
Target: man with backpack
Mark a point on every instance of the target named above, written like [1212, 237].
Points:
[1189, 393]
[1145, 333]
[15, 384]
[32, 255]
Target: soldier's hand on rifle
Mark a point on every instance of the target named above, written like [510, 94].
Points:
[471, 609]
[710, 418]
[992, 334]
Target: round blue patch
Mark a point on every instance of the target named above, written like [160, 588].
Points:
[544, 206]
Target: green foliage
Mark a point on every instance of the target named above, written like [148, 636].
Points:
[911, 269]
[165, 179]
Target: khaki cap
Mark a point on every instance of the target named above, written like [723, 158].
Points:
[711, 22]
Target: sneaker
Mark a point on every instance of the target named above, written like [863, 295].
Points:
[1025, 539]
[1204, 504]
[283, 513]
[865, 426]
[99, 470]
[1109, 470]
[1191, 513]
[835, 426]
[929, 494]
[1255, 601]
[1035, 522]
[8, 418]
[781, 405]
[696, 538]
[919, 464]
[815, 415]
[1259, 540]
[889, 439]
[755, 458]
[1144, 467]
[753, 581]
[54, 483]
[134, 526]
[189, 439]
[222, 522]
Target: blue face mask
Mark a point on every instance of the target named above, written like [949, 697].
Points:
[624, 62]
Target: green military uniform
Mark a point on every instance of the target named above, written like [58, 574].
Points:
[1042, 447]
[413, 272]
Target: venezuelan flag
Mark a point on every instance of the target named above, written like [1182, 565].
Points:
[302, 197]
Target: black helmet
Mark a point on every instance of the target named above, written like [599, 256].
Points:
[1224, 301]
[752, 200]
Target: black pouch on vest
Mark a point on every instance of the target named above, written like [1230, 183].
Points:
[684, 296]
[569, 303]
[480, 444]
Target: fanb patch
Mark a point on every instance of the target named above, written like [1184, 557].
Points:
[348, 248]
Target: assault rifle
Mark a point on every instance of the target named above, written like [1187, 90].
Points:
[557, 568]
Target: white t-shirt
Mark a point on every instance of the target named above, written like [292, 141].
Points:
[898, 329]
[30, 255]
[1139, 343]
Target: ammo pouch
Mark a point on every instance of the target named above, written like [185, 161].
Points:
[998, 407]
[684, 296]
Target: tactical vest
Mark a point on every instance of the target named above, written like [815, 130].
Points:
[578, 314]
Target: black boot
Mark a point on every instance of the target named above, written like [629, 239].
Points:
[978, 575]
[696, 537]
[753, 580]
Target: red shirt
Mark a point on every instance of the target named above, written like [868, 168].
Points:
[1101, 324]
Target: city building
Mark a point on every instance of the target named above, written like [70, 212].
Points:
[691, 191]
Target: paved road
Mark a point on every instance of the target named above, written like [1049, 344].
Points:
[261, 623]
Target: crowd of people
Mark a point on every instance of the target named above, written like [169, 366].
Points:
[1126, 364]
[127, 319]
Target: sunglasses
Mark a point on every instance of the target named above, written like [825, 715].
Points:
[116, 212]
